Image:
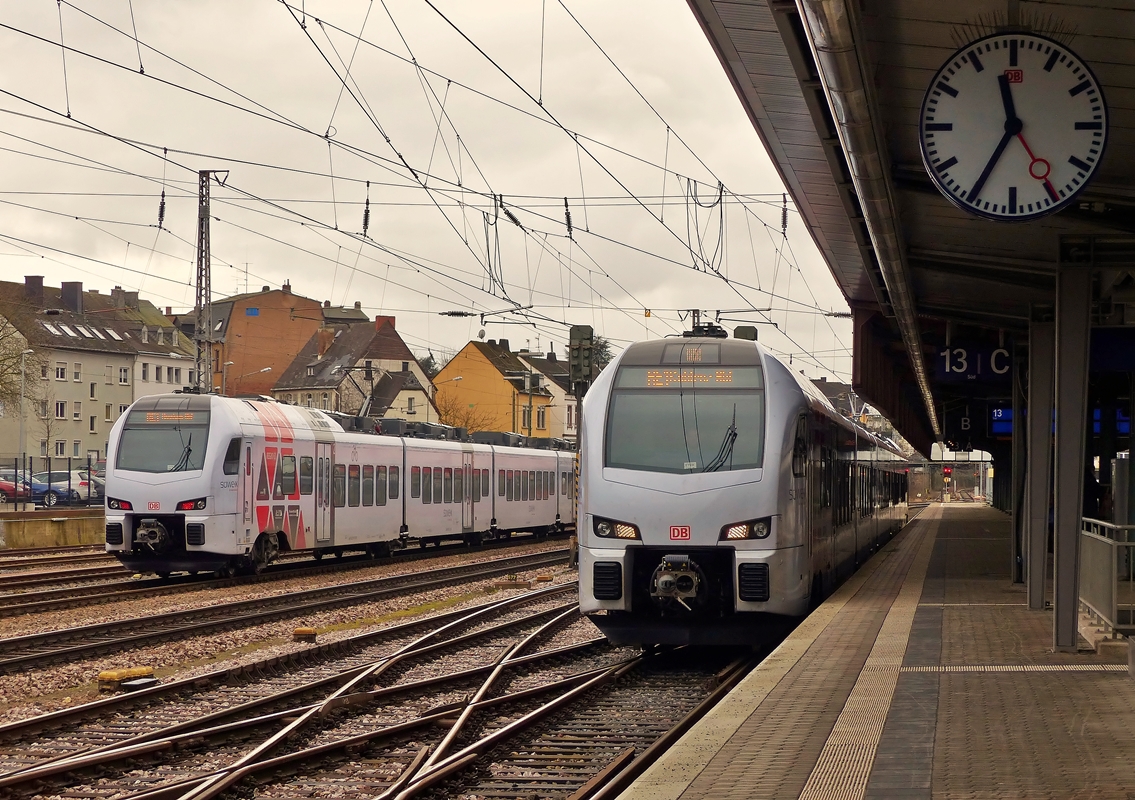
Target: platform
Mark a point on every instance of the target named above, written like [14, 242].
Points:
[925, 675]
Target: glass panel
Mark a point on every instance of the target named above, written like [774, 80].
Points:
[394, 483]
[415, 481]
[447, 486]
[287, 475]
[232, 455]
[163, 441]
[306, 464]
[438, 476]
[339, 486]
[427, 485]
[353, 488]
[380, 487]
[368, 485]
[458, 485]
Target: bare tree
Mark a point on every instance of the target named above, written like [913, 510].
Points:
[453, 410]
[17, 334]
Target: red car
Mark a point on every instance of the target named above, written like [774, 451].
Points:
[9, 492]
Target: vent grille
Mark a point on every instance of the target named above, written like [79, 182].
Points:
[114, 533]
[607, 583]
[195, 533]
[752, 583]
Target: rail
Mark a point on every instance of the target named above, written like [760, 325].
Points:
[1107, 573]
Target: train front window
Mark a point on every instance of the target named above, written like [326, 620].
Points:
[171, 440]
[686, 419]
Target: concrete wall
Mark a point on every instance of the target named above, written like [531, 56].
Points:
[51, 528]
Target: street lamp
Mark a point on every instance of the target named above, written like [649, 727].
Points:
[238, 377]
[224, 376]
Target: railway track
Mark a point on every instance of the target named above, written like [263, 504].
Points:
[14, 603]
[31, 561]
[69, 644]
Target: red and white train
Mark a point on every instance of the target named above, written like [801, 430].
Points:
[204, 483]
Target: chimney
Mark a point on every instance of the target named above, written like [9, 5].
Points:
[265, 288]
[325, 340]
[504, 345]
[169, 311]
[131, 299]
[492, 342]
[287, 287]
[381, 319]
[118, 296]
[327, 304]
[33, 289]
[71, 293]
[551, 355]
[358, 306]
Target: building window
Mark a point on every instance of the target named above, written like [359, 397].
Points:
[145, 371]
[525, 418]
[157, 373]
[77, 372]
[145, 334]
[43, 374]
[122, 409]
[109, 375]
[177, 374]
[192, 377]
[307, 400]
[43, 447]
[124, 376]
[409, 405]
[325, 406]
[569, 410]
[405, 366]
[109, 410]
[78, 413]
[43, 411]
[542, 417]
[311, 372]
[218, 365]
[76, 448]
[93, 385]
[60, 447]
[61, 409]
[92, 428]
[61, 370]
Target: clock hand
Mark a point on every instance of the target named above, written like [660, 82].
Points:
[1013, 128]
[1044, 169]
[1007, 99]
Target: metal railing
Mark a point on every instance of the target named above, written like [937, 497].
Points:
[25, 482]
[1107, 573]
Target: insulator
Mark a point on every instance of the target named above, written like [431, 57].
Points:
[784, 215]
[366, 211]
[162, 210]
[567, 217]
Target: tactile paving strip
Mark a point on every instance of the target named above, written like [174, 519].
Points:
[844, 765]
[1020, 668]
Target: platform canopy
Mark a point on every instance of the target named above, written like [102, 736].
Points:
[834, 89]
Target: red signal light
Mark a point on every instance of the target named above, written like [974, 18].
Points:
[948, 470]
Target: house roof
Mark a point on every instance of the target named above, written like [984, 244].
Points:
[391, 384]
[553, 368]
[349, 345]
[507, 363]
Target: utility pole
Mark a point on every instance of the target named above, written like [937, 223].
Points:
[203, 329]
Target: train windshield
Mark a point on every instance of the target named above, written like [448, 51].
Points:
[163, 441]
[687, 419]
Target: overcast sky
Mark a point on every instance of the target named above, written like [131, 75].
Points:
[257, 88]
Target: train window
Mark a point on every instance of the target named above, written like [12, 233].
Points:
[509, 485]
[248, 461]
[476, 487]
[339, 486]
[447, 486]
[438, 485]
[532, 485]
[800, 448]
[427, 485]
[541, 477]
[232, 457]
[353, 485]
[522, 485]
[415, 481]
[485, 486]
[458, 485]
[368, 485]
[379, 486]
[320, 486]
[501, 484]
[307, 465]
[393, 494]
[287, 475]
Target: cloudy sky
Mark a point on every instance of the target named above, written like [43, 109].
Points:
[471, 121]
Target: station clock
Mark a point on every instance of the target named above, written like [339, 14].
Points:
[1013, 126]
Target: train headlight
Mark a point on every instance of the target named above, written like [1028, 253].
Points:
[754, 529]
[609, 529]
[191, 505]
[119, 505]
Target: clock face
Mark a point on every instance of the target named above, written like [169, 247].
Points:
[1013, 126]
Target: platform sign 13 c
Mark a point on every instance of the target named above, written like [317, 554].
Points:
[962, 363]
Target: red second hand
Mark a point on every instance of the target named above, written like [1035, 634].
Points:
[1047, 169]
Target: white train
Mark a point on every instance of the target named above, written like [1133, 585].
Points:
[721, 494]
[205, 483]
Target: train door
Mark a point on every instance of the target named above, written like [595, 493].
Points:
[248, 491]
[322, 492]
[466, 491]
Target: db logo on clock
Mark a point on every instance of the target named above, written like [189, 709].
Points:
[1015, 75]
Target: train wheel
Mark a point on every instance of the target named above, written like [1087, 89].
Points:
[227, 571]
[379, 550]
[317, 555]
[264, 552]
[473, 539]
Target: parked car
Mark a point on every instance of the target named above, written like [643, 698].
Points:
[13, 490]
[51, 488]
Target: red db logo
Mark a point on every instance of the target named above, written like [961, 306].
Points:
[154, 506]
[680, 532]
[1015, 75]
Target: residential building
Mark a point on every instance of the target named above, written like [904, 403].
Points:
[85, 367]
[486, 387]
[563, 416]
[256, 337]
[343, 364]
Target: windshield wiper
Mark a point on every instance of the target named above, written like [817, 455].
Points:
[725, 452]
[183, 462]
